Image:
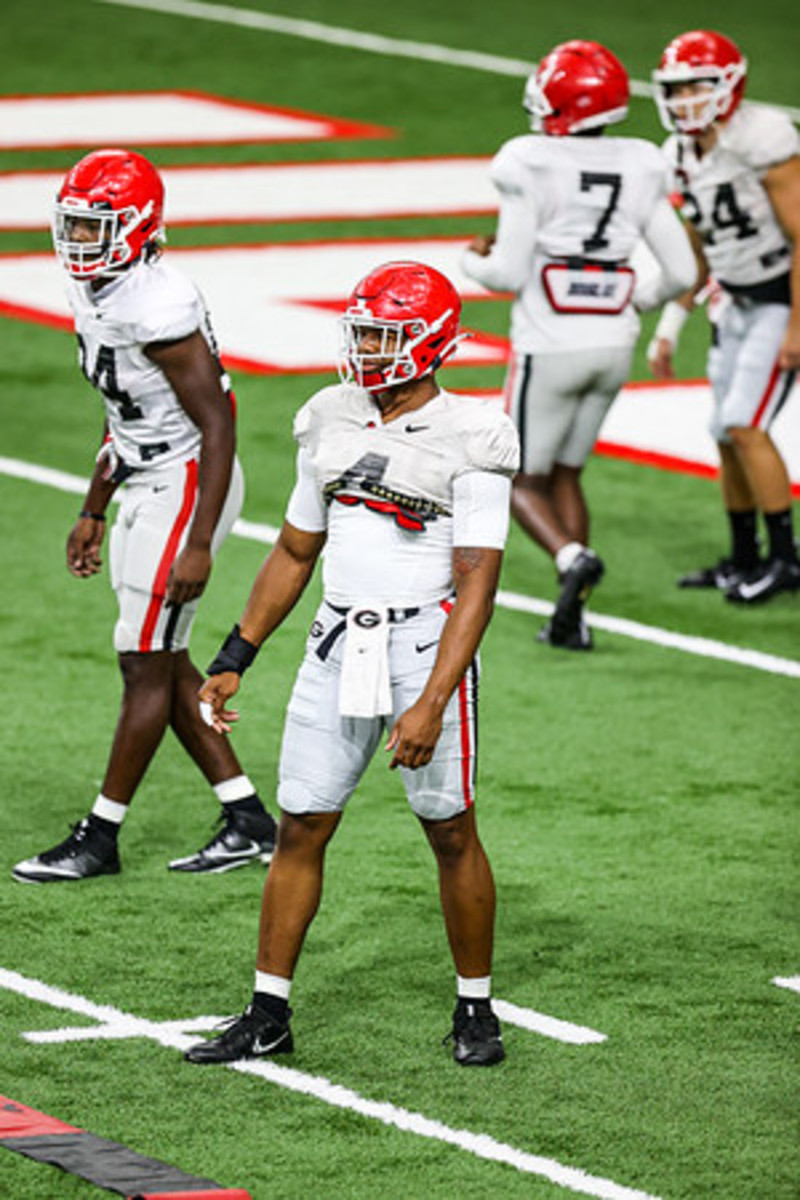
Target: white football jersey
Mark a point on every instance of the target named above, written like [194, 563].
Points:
[724, 196]
[386, 491]
[151, 302]
[572, 210]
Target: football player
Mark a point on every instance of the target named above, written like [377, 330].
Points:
[737, 168]
[573, 206]
[145, 342]
[407, 487]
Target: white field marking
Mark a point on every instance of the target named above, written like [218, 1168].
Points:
[353, 39]
[552, 1027]
[398, 187]
[173, 1034]
[792, 982]
[267, 535]
[157, 119]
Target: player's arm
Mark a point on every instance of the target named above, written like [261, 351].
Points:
[503, 262]
[280, 583]
[193, 374]
[476, 572]
[86, 536]
[664, 342]
[782, 183]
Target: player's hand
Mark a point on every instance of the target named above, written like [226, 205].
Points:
[213, 698]
[414, 736]
[789, 353]
[659, 358]
[83, 547]
[189, 575]
[482, 245]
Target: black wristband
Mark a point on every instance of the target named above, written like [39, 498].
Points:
[235, 654]
[92, 516]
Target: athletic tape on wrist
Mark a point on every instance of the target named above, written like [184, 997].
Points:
[235, 654]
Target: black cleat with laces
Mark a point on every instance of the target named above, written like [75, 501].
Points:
[252, 1035]
[86, 852]
[242, 838]
[476, 1037]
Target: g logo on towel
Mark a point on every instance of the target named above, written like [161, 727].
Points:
[366, 618]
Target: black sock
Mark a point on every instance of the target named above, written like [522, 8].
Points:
[108, 828]
[273, 1006]
[780, 534]
[744, 542]
[250, 806]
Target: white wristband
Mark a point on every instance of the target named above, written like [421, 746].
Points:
[671, 322]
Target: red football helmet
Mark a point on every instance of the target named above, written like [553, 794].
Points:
[578, 85]
[704, 57]
[115, 199]
[415, 310]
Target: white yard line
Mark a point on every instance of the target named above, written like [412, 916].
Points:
[792, 982]
[354, 39]
[267, 534]
[178, 1036]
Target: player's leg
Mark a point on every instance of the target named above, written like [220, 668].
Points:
[322, 758]
[757, 392]
[247, 831]
[570, 502]
[441, 795]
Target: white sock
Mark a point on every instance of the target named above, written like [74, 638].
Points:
[567, 554]
[238, 788]
[273, 985]
[474, 989]
[109, 810]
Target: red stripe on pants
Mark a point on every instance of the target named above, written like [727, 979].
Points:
[159, 589]
[765, 399]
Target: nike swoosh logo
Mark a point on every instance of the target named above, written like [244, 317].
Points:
[420, 649]
[260, 1047]
[416, 428]
[160, 487]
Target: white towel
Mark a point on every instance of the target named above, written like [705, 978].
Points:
[364, 689]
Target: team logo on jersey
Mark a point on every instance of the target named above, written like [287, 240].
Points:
[362, 484]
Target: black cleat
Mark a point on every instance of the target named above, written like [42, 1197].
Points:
[776, 576]
[722, 575]
[576, 584]
[579, 639]
[86, 852]
[252, 1035]
[476, 1037]
[242, 838]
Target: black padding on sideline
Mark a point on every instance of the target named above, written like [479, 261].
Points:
[107, 1164]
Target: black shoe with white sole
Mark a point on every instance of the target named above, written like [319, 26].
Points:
[88, 851]
[776, 576]
[254, 1034]
[723, 575]
[476, 1037]
[242, 838]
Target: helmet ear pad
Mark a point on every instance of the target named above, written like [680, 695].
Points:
[580, 85]
[415, 309]
[121, 191]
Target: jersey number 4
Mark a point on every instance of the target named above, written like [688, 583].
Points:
[104, 378]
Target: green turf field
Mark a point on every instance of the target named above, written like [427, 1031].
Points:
[639, 804]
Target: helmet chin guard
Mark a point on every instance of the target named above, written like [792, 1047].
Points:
[115, 200]
[412, 312]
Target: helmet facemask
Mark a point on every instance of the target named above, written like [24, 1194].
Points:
[111, 252]
[693, 114]
[403, 353]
